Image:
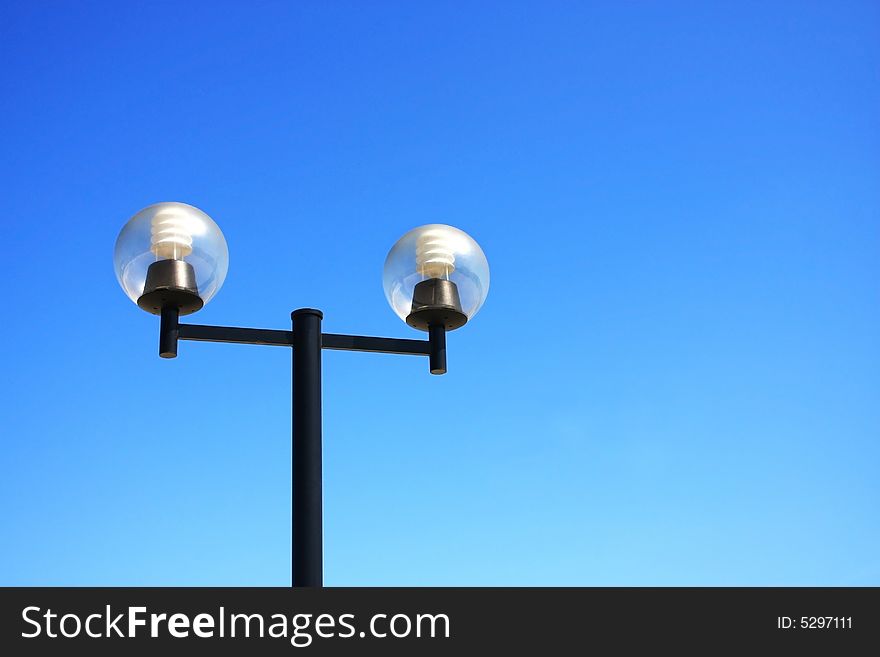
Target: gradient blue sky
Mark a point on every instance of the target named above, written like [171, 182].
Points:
[675, 379]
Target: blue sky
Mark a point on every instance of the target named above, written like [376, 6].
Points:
[674, 380]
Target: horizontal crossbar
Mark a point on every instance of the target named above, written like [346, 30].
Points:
[202, 333]
[377, 345]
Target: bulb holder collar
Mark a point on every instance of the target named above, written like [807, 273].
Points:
[171, 283]
[436, 303]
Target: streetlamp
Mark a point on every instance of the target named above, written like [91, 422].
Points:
[171, 259]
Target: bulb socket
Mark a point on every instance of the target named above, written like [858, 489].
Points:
[171, 283]
[436, 303]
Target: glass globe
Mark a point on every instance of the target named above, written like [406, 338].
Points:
[436, 252]
[171, 231]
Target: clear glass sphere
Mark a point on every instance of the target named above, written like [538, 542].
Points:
[436, 251]
[171, 231]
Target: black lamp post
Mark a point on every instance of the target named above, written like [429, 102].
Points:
[171, 258]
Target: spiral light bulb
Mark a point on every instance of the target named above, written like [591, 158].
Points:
[170, 235]
[435, 257]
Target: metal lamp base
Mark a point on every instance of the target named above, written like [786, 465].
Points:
[171, 283]
[436, 303]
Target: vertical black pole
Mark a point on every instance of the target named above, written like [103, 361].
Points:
[168, 331]
[437, 337]
[308, 558]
